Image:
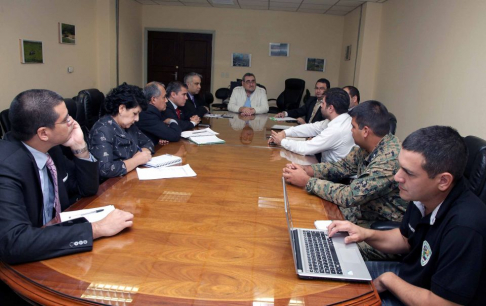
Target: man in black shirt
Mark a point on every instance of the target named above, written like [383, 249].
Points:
[443, 233]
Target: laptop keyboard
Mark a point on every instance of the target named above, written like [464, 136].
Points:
[321, 255]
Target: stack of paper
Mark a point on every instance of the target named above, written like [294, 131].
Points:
[165, 172]
[283, 119]
[198, 133]
[164, 161]
[205, 140]
[91, 214]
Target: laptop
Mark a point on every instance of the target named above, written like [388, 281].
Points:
[318, 256]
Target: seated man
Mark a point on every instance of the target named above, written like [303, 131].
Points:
[195, 104]
[311, 108]
[37, 180]
[443, 233]
[332, 138]
[151, 123]
[373, 195]
[353, 93]
[177, 95]
[248, 99]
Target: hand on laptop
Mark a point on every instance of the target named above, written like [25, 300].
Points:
[356, 233]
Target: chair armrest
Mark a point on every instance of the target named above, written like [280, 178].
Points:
[385, 225]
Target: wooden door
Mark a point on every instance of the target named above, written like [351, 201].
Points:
[171, 55]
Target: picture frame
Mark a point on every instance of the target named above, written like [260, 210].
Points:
[67, 33]
[31, 52]
[347, 55]
[315, 64]
[241, 60]
[279, 49]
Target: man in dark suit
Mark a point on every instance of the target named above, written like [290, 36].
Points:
[151, 123]
[177, 95]
[311, 109]
[37, 180]
[195, 104]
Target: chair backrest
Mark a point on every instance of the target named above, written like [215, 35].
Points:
[5, 121]
[294, 89]
[208, 98]
[92, 101]
[476, 165]
[393, 123]
[222, 93]
[71, 107]
[306, 96]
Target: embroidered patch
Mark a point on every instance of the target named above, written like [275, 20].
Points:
[426, 253]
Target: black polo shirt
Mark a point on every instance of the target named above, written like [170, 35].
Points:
[448, 257]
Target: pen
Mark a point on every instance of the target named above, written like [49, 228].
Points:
[139, 149]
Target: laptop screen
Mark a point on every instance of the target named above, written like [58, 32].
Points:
[290, 226]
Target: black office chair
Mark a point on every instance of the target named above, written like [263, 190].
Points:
[475, 173]
[5, 121]
[291, 96]
[393, 123]
[306, 96]
[222, 94]
[208, 98]
[71, 107]
[92, 101]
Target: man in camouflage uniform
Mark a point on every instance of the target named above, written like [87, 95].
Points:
[373, 195]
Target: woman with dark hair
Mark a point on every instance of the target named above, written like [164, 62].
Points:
[114, 139]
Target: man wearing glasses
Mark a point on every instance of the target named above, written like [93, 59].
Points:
[37, 182]
[311, 109]
[248, 99]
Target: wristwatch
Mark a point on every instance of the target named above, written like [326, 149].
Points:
[76, 152]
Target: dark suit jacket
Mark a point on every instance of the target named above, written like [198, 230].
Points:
[306, 110]
[190, 109]
[170, 112]
[152, 125]
[21, 237]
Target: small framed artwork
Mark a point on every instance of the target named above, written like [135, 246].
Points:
[347, 56]
[279, 49]
[67, 33]
[241, 60]
[31, 52]
[315, 64]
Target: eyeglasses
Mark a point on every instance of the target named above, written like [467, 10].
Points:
[320, 88]
[250, 81]
[68, 121]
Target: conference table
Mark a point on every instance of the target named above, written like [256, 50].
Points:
[219, 238]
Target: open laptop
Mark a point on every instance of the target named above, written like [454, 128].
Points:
[318, 256]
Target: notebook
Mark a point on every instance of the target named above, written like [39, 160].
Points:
[205, 140]
[164, 161]
[338, 261]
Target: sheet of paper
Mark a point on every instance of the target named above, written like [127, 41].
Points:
[280, 127]
[165, 172]
[283, 119]
[203, 132]
[91, 214]
[204, 140]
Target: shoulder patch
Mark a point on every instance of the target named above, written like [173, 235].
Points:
[426, 253]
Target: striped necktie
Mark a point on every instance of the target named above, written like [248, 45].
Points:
[57, 204]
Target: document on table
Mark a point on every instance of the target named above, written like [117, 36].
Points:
[206, 140]
[218, 116]
[198, 133]
[283, 119]
[165, 172]
[280, 127]
[91, 214]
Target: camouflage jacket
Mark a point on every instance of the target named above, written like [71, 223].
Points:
[374, 190]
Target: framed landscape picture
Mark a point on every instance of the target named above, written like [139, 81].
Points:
[67, 33]
[241, 60]
[279, 49]
[315, 64]
[31, 52]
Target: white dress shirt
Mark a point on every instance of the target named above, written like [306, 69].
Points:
[331, 138]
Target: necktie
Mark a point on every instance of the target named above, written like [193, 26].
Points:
[57, 204]
[314, 111]
[178, 111]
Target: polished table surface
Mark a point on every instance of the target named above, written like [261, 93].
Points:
[216, 239]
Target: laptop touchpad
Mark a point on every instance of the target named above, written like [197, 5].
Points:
[351, 256]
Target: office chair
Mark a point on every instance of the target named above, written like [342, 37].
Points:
[5, 121]
[92, 101]
[71, 107]
[222, 94]
[475, 173]
[306, 96]
[291, 96]
[393, 123]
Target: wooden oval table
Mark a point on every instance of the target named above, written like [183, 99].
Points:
[219, 238]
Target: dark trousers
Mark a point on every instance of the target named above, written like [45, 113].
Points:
[377, 268]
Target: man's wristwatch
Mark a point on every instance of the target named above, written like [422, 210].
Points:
[80, 151]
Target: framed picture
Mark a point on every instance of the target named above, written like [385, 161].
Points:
[315, 64]
[347, 56]
[31, 52]
[241, 60]
[67, 33]
[279, 49]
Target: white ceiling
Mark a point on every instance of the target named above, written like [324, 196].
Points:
[329, 7]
